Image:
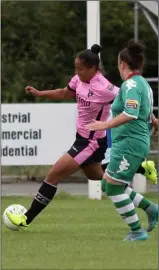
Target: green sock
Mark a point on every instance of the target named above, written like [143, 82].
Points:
[124, 205]
[103, 185]
[137, 199]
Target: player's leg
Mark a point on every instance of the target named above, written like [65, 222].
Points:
[93, 171]
[106, 159]
[63, 168]
[146, 168]
[140, 201]
[92, 166]
[120, 171]
[81, 152]
[149, 207]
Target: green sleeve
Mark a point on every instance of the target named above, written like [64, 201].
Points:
[132, 99]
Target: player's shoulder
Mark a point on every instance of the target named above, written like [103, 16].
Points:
[130, 82]
[75, 78]
[133, 82]
[101, 82]
[73, 83]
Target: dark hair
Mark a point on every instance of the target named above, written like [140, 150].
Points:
[133, 55]
[90, 57]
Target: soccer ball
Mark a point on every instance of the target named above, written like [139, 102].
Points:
[14, 209]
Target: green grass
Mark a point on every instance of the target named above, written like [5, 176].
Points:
[76, 233]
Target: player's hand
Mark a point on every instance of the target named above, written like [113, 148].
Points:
[30, 90]
[155, 125]
[96, 125]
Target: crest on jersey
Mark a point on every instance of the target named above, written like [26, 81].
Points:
[90, 93]
[110, 87]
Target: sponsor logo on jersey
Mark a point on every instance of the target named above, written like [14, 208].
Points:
[130, 84]
[82, 101]
[74, 148]
[110, 87]
[90, 93]
[124, 165]
[130, 103]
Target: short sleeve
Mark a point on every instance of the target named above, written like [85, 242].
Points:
[72, 85]
[131, 98]
[111, 92]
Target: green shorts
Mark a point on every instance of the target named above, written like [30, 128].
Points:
[123, 166]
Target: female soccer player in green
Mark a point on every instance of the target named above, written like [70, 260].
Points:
[132, 112]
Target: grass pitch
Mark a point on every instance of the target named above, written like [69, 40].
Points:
[76, 233]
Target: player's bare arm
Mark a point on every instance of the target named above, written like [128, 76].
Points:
[116, 121]
[57, 94]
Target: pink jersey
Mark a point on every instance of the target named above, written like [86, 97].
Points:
[93, 102]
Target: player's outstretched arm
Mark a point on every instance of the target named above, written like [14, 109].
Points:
[114, 122]
[57, 94]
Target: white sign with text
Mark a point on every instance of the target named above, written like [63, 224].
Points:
[36, 134]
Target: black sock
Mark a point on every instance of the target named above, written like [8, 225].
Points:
[41, 200]
[141, 170]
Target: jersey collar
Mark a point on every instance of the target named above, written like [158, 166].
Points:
[133, 74]
[94, 77]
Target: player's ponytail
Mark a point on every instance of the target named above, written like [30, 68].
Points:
[90, 57]
[96, 49]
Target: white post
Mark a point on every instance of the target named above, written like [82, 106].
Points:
[94, 189]
[93, 37]
[93, 23]
[136, 21]
[139, 183]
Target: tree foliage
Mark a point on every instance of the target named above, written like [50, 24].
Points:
[41, 38]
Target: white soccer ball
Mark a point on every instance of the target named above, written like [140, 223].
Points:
[14, 209]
